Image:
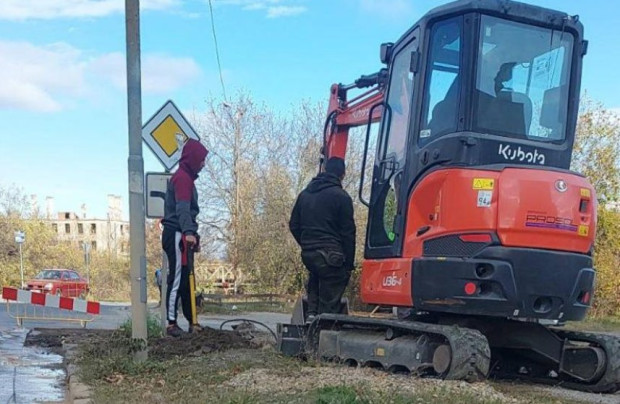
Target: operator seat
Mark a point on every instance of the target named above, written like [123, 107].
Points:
[508, 111]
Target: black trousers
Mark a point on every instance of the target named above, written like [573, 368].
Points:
[178, 276]
[326, 284]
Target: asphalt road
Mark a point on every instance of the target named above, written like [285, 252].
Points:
[114, 314]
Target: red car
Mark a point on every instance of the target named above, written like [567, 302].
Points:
[61, 282]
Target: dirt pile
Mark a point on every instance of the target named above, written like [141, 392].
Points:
[53, 338]
[198, 343]
[194, 344]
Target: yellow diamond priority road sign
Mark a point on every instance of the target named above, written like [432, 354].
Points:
[166, 133]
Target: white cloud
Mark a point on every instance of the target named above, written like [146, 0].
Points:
[285, 11]
[389, 9]
[35, 77]
[160, 73]
[50, 9]
[47, 78]
[272, 8]
[254, 6]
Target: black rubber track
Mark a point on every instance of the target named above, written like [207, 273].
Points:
[471, 355]
[610, 381]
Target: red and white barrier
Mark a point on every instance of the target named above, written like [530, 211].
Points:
[47, 300]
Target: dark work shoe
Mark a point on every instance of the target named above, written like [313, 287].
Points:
[174, 330]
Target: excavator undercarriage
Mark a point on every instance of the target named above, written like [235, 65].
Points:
[470, 349]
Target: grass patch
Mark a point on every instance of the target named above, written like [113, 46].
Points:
[153, 327]
[191, 380]
[360, 394]
[605, 324]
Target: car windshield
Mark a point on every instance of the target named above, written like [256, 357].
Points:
[522, 81]
[49, 274]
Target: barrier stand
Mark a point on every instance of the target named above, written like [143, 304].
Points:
[27, 305]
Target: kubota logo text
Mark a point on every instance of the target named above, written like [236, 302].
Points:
[509, 152]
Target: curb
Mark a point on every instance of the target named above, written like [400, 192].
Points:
[77, 392]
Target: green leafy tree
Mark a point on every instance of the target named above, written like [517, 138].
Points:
[597, 156]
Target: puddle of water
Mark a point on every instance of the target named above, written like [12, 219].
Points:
[29, 374]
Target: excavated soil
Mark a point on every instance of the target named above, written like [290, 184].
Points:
[53, 338]
[198, 343]
[195, 344]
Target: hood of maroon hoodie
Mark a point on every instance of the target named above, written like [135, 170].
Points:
[192, 156]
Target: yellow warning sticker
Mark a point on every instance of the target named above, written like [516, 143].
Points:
[379, 352]
[483, 184]
[583, 230]
[585, 193]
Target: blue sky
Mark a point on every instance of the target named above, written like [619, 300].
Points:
[63, 118]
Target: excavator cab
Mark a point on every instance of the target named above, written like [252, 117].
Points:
[477, 230]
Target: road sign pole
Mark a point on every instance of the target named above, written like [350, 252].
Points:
[20, 237]
[164, 290]
[86, 248]
[164, 279]
[21, 263]
[136, 177]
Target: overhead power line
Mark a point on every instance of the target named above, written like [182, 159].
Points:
[217, 51]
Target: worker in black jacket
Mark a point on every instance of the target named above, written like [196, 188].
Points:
[323, 225]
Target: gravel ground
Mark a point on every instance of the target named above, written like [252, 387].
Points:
[308, 378]
[565, 394]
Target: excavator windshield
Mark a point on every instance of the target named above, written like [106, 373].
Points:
[522, 80]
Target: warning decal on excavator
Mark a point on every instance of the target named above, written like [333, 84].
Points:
[583, 230]
[585, 193]
[484, 199]
[483, 184]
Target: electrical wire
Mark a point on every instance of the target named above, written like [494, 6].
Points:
[217, 51]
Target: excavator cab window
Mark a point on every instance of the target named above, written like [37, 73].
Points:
[441, 101]
[392, 153]
[399, 101]
[522, 91]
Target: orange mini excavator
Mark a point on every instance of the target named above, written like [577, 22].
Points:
[478, 233]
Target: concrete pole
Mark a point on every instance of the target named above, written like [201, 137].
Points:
[137, 221]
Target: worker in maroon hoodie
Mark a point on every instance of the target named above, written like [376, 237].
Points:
[180, 236]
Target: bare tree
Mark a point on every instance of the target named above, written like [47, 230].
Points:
[236, 134]
[258, 163]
